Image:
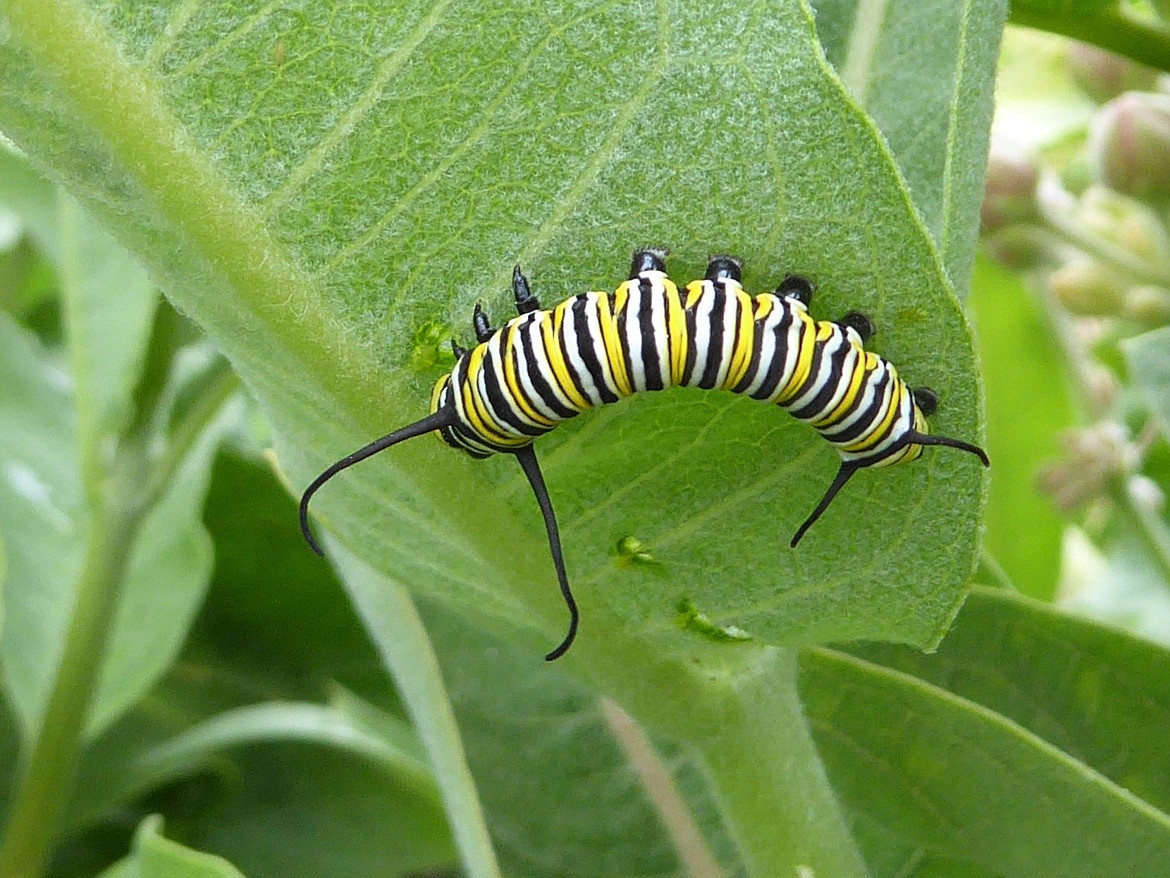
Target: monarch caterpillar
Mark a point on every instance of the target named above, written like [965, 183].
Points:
[546, 366]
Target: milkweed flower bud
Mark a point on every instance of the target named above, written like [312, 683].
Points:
[1130, 144]
[1148, 304]
[1095, 457]
[1024, 247]
[1103, 75]
[1125, 221]
[1145, 493]
[1087, 289]
[1009, 190]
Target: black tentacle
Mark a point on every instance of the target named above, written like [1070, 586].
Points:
[525, 301]
[528, 463]
[444, 417]
[916, 438]
[844, 474]
[479, 322]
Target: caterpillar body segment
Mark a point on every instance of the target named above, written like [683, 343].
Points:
[543, 367]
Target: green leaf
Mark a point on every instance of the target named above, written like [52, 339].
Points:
[548, 759]
[305, 723]
[1109, 24]
[43, 517]
[240, 246]
[392, 620]
[1028, 404]
[1097, 694]
[312, 813]
[949, 775]
[1147, 356]
[934, 107]
[157, 857]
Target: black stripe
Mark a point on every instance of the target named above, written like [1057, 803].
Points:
[500, 398]
[835, 363]
[753, 366]
[689, 362]
[651, 363]
[580, 314]
[466, 438]
[775, 368]
[574, 374]
[873, 412]
[900, 390]
[715, 349]
[542, 384]
[619, 320]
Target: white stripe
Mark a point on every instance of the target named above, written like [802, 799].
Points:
[632, 332]
[871, 427]
[573, 357]
[524, 368]
[767, 347]
[702, 339]
[865, 398]
[593, 321]
[832, 346]
[852, 354]
[730, 322]
[661, 333]
[791, 346]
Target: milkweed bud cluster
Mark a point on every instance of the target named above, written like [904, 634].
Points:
[1086, 220]
[1096, 457]
[1090, 223]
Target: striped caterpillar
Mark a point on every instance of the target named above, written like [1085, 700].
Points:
[546, 366]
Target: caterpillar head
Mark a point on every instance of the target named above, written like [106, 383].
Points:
[923, 404]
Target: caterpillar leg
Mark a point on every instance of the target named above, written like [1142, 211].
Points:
[795, 286]
[525, 301]
[649, 259]
[479, 322]
[862, 324]
[528, 463]
[457, 349]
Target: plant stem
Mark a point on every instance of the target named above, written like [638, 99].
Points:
[118, 503]
[1110, 30]
[1149, 527]
[48, 769]
[746, 721]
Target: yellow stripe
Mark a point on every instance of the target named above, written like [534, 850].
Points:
[515, 389]
[610, 339]
[435, 394]
[765, 305]
[865, 363]
[741, 356]
[895, 400]
[474, 409]
[676, 327]
[550, 333]
[694, 292]
[803, 358]
[438, 392]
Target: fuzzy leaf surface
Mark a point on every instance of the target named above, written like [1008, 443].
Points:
[314, 186]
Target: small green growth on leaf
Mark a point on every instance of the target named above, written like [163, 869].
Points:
[631, 550]
[431, 346]
[690, 619]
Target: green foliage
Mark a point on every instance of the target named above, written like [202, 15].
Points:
[326, 191]
[157, 857]
[1028, 404]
